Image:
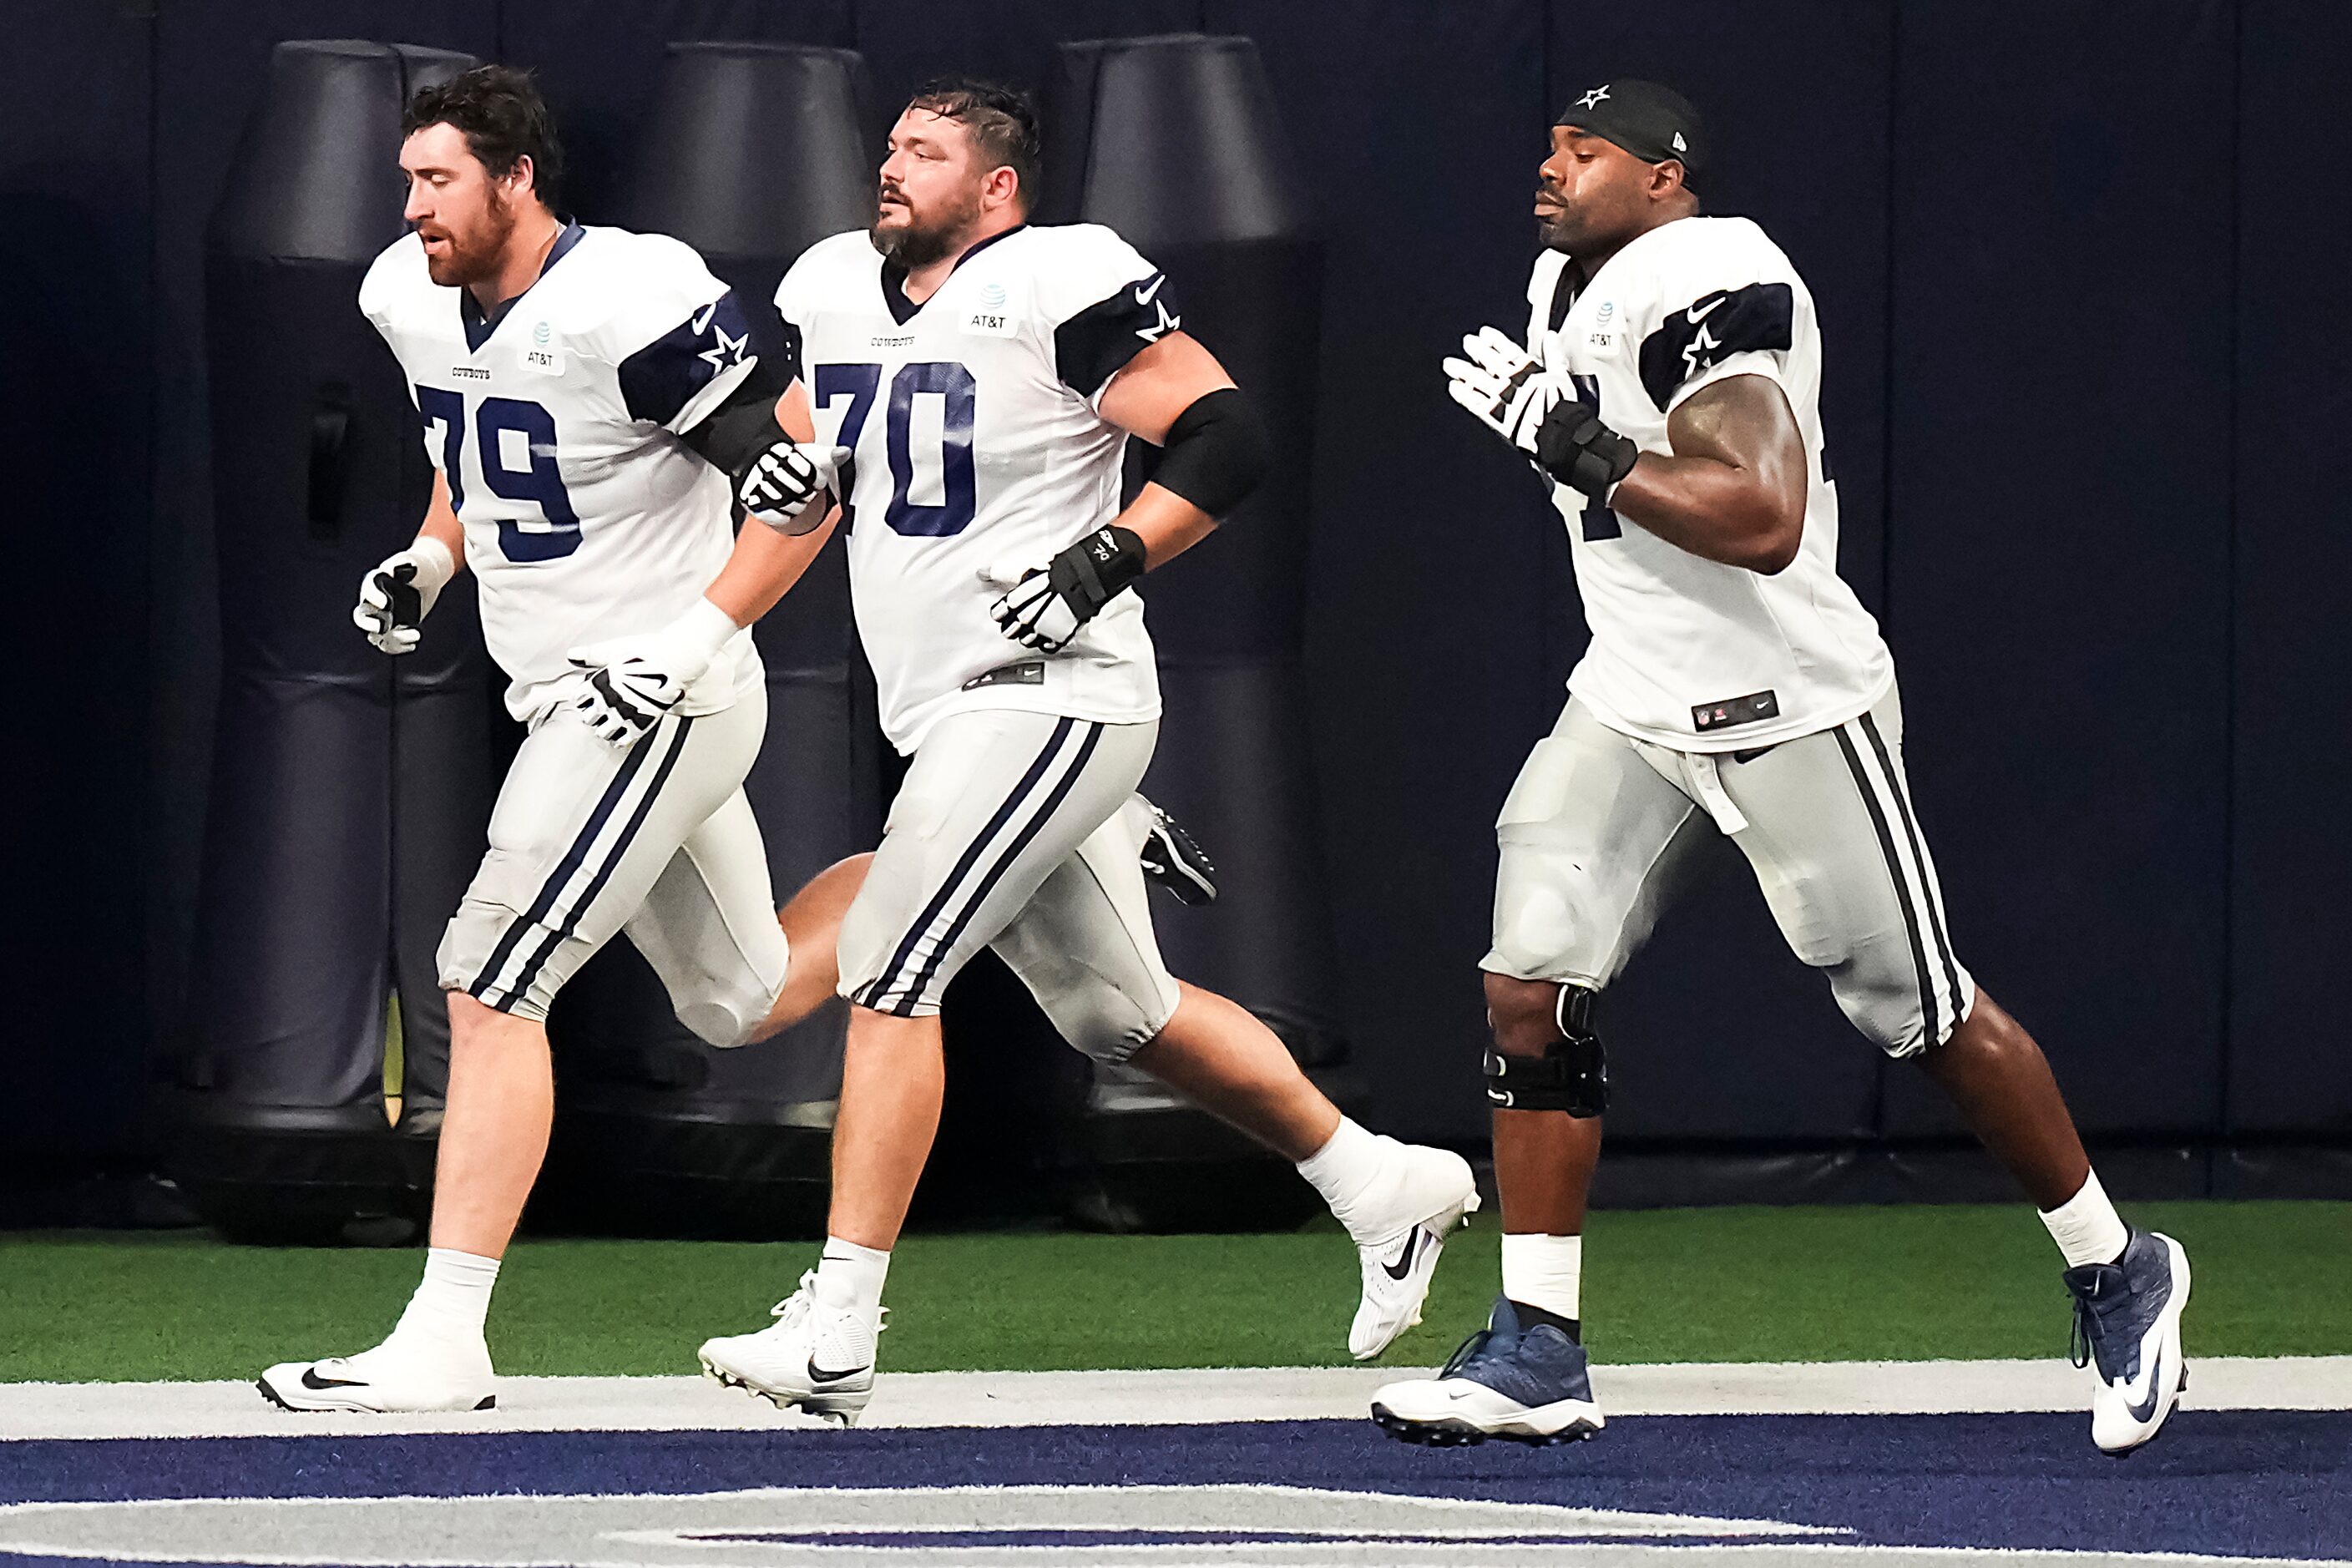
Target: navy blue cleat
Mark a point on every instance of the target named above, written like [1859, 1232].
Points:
[1171, 858]
[1525, 1386]
[2128, 1326]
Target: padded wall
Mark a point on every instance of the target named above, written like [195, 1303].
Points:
[75, 398]
[2062, 273]
[2288, 1068]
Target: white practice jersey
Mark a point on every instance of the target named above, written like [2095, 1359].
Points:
[976, 451]
[555, 424]
[1687, 652]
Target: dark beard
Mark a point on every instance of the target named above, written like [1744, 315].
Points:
[912, 248]
[918, 246]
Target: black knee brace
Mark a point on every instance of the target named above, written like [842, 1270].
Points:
[1573, 1074]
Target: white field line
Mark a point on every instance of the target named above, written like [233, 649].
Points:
[84, 1410]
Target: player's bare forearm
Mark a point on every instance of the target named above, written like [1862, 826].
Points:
[1734, 490]
[441, 522]
[763, 568]
[1168, 524]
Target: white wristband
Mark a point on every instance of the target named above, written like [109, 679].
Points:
[705, 629]
[434, 565]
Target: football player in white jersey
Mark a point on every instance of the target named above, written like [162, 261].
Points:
[587, 395]
[984, 376]
[1669, 389]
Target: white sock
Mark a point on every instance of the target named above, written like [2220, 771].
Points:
[453, 1298]
[1345, 1169]
[2086, 1227]
[1546, 1271]
[851, 1276]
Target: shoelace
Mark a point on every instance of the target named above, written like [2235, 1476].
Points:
[792, 1309]
[1467, 1353]
[2090, 1321]
[795, 1308]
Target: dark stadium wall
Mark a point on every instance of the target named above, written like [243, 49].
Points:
[2081, 402]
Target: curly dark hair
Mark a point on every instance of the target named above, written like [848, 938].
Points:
[1003, 121]
[503, 118]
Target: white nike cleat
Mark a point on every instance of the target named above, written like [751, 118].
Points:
[1435, 1187]
[2127, 1328]
[817, 1356]
[410, 1372]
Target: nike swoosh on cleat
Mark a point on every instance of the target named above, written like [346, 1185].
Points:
[312, 1380]
[2144, 1411]
[1403, 1265]
[827, 1374]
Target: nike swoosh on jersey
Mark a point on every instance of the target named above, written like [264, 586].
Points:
[1403, 1265]
[704, 320]
[1694, 315]
[312, 1380]
[827, 1374]
[1143, 296]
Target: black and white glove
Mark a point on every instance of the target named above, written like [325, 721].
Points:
[782, 478]
[632, 682]
[1577, 449]
[1507, 387]
[398, 594]
[1046, 604]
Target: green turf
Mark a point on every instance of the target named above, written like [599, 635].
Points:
[1749, 1284]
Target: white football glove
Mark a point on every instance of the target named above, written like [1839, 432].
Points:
[398, 594]
[633, 682]
[778, 484]
[1507, 387]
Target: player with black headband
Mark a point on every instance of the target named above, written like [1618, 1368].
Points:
[1669, 391]
[984, 376]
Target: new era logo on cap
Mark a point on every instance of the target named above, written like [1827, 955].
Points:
[1680, 145]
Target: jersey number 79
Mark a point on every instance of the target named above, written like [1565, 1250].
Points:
[538, 480]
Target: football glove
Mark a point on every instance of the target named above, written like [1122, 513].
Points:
[1046, 604]
[1577, 449]
[631, 683]
[398, 594]
[781, 481]
[1504, 386]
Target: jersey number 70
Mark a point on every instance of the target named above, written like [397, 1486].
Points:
[538, 480]
[944, 379]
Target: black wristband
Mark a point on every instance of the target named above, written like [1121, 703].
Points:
[1578, 450]
[1097, 569]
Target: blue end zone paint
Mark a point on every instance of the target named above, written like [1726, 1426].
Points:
[2238, 1482]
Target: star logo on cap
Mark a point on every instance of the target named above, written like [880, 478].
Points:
[1592, 98]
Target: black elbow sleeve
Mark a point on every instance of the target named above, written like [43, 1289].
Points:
[1216, 452]
[742, 426]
